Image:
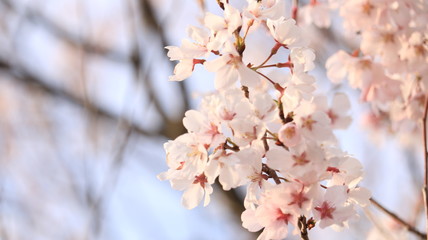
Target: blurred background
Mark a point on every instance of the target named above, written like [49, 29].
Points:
[85, 107]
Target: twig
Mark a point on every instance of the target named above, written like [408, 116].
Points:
[266, 77]
[108, 184]
[138, 63]
[271, 173]
[150, 20]
[71, 39]
[424, 134]
[273, 51]
[398, 219]
[303, 227]
[29, 79]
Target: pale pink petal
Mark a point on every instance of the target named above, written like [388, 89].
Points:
[192, 196]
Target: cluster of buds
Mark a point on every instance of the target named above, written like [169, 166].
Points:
[263, 126]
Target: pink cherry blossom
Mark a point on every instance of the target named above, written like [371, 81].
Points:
[332, 209]
[317, 13]
[286, 32]
[271, 214]
[272, 135]
[289, 134]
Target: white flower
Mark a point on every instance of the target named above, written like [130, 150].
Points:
[247, 130]
[286, 32]
[298, 161]
[194, 191]
[250, 170]
[337, 66]
[360, 14]
[229, 68]
[383, 43]
[415, 51]
[207, 130]
[313, 122]
[289, 134]
[302, 59]
[338, 112]
[360, 196]
[318, 14]
[270, 9]
[299, 86]
[187, 54]
[224, 165]
[273, 214]
[344, 171]
[182, 70]
[331, 208]
[222, 28]
[186, 156]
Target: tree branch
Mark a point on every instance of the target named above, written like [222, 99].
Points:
[73, 40]
[27, 78]
[398, 219]
[151, 21]
[424, 134]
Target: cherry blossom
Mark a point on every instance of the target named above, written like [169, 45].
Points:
[332, 208]
[317, 13]
[229, 68]
[271, 214]
[289, 134]
[392, 55]
[285, 32]
[271, 9]
[272, 135]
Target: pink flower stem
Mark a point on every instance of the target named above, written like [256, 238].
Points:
[250, 23]
[272, 52]
[267, 78]
[278, 65]
[294, 10]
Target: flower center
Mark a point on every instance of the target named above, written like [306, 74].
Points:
[325, 210]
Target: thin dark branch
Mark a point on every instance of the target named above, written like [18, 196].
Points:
[425, 154]
[398, 219]
[138, 63]
[27, 78]
[73, 40]
[271, 173]
[134, 57]
[151, 21]
[303, 227]
[108, 184]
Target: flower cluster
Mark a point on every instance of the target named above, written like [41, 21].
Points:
[263, 128]
[391, 66]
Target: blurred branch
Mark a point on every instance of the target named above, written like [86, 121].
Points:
[31, 80]
[138, 63]
[73, 40]
[173, 127]
[425, 154]
[135, 59]
[98, 202]
[398, 219]
[151, 21]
